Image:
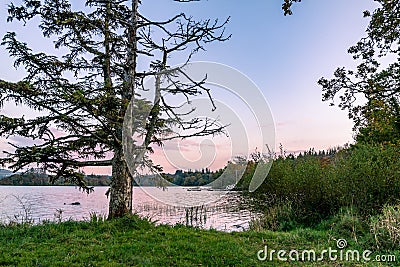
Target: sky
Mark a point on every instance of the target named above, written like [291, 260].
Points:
[283, 55]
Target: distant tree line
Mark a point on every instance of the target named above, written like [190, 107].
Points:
[42, 179]
[193, 178]
[180, 177]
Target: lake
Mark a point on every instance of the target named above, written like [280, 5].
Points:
[220, 210]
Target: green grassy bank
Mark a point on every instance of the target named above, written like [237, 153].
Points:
[132, 241]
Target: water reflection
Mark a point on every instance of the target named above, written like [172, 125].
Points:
[46, 203]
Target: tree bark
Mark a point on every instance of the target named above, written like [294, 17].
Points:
[120, 188]
[121, 182]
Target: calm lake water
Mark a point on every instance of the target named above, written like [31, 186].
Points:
[214, 209]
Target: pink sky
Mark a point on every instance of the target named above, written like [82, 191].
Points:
[284, 56]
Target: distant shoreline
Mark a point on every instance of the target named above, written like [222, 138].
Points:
[58, 185]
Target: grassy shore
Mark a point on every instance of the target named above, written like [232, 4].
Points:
[132, 241]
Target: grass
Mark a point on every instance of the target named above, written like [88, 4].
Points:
[132, 241]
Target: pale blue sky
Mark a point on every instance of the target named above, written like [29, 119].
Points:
[284, 56]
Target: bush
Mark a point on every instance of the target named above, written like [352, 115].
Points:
[348, 224]
[369, 178]
[385, 228]
[318, 185]
[280, 217]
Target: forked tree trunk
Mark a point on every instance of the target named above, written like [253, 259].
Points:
[120, 188]
[121, 182]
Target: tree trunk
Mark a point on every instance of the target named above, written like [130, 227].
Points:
[121, 181]
[121, 188]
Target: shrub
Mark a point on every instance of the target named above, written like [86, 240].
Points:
[279, 217]
[385, 228]
[318, 185]
[348, 224]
